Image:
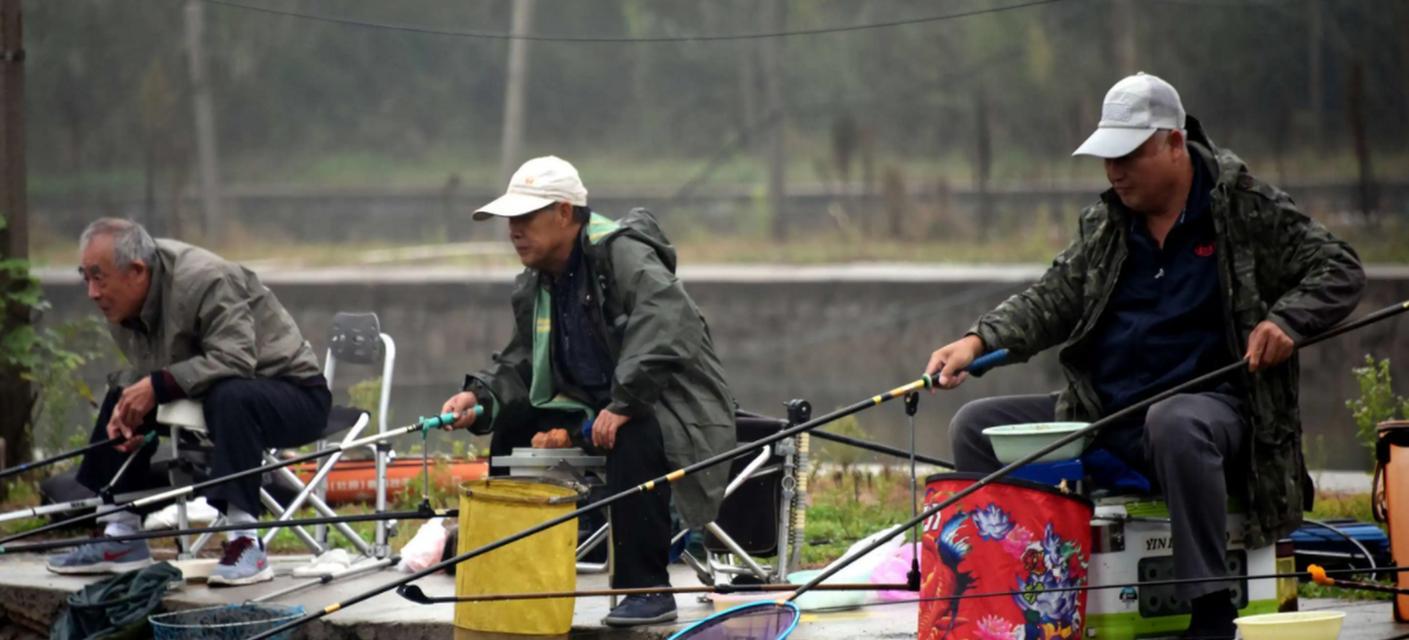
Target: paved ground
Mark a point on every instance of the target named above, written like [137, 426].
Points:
[30, 596]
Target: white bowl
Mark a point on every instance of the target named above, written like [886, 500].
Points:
[1292, 625]
[1012, 442]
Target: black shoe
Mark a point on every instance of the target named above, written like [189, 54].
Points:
[636, 610]
[1212, 617]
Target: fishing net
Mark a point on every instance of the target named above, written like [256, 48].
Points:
[224, 622]
[750, 621]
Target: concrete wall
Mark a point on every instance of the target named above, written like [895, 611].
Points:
[833, 335]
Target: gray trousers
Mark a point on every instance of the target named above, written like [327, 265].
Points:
[1187, 445]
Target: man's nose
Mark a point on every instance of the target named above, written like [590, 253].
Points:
[93, 292]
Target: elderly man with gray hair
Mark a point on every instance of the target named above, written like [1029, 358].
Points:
[192, 325]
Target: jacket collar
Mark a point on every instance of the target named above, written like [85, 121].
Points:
[150, 314]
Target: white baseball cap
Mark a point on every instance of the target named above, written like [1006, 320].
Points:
[537, 184]
[1133, 110]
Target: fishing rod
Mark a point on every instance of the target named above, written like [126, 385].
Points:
[414, 594]
[1320, 576]
[976, 368]
[328, 578]
[105, 494]
[46, 545]
[1314, 572]
[423, 424]
[880, 448]
[994, 594]
[1091, 429]
[21, 468]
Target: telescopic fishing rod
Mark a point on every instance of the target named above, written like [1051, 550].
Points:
[1091, 429]
[47, 545]
[414, 594]
[105, 494]
[423, 424]
[21, 468]
[880, 448]
[1322, 577]
[976, 368]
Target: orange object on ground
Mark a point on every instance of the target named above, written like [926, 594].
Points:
[356, 480]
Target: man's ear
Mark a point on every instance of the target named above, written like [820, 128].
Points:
[565, 214]
[1175, 139]
[139, 267]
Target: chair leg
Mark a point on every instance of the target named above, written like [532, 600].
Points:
[743, 556]
[381, 547]
[323, 508]
[177, 478]
[204, 538]
[308, 491]
[273, 505]
[601, 535]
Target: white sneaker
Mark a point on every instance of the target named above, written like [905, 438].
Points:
[331, 561]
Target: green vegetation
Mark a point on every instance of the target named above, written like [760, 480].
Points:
[1377, 402]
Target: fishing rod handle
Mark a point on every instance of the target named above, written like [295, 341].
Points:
[977, 368]
[445, 419]
[987, 361]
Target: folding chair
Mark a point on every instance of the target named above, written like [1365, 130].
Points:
[355, 338]
[770, 482]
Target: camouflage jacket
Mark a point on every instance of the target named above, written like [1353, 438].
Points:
[1274, 264]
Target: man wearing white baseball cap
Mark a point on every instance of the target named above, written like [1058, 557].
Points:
[609, 353]
[1186, 264]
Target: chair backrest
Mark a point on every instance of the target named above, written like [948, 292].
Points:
[356, 338]
[750, 514]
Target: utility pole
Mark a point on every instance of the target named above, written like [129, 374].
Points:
[205, 119]
[14, 236]
[511, 137]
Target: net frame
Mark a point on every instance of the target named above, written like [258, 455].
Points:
[716, 623]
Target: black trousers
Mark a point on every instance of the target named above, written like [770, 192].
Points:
[1189, 444]
[640, 522]
[244, 417]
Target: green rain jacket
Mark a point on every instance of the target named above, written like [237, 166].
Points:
[1274, 263]
[665, 361]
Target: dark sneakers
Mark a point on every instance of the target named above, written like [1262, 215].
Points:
[637, 610]
[1212, 617]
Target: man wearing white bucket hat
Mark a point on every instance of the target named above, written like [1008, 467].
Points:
[608, 352]
[1186, 264]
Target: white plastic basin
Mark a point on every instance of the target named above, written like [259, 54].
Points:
[1292, 625]
[1012, 442]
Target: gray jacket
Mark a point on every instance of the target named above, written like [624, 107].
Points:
[206, 318]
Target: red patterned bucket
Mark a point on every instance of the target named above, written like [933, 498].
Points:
[1011, 535]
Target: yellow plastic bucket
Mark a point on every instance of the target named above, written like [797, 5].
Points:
[495, 508]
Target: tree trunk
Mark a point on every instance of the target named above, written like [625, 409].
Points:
[206, 155]
[983, 162]
[1356, 112]
[775, 19]
[14, 238]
